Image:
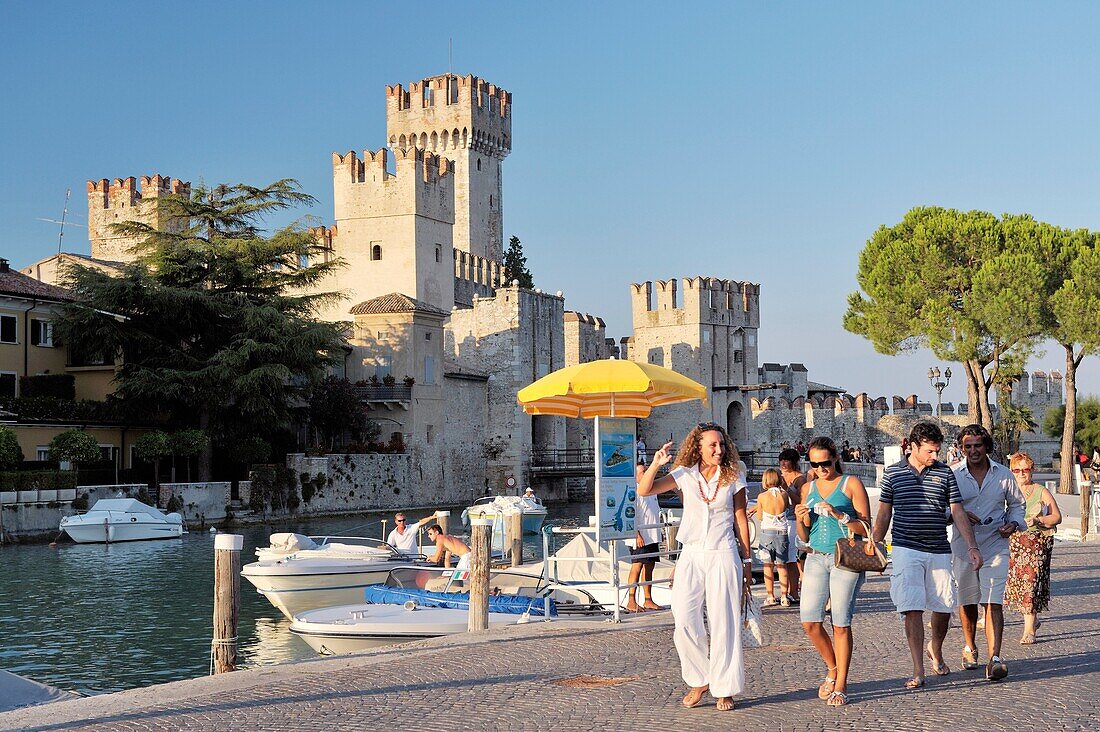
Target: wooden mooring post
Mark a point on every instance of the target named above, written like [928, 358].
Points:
[227, 602]
[481, 530]
[514, 531]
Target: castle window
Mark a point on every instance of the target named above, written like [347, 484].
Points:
[429, 370]
[438, 253]
[9, 328]
[738, 356]
[428, 336]
[376, 253]
[490, 201]
[479, 163]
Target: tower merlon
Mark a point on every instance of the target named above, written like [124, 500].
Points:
[126, 192]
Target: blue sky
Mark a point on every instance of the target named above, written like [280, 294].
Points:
[759, 141]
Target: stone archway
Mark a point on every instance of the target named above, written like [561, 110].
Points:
[735, 424]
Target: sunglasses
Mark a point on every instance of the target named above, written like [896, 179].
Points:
[400, 521]
[825, 464]
[708, 426]
[1021, 470]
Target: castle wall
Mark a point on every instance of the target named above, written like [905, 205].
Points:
[1039, 392]
[122, 200]
[517, 336]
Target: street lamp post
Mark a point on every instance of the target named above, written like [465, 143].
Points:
[934, 377]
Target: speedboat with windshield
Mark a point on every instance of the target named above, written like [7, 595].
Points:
[121, 519]
[297, 573]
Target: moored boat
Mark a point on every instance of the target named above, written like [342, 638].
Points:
[121, 519]
[496, 507]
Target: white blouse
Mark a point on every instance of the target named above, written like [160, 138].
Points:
[707, 526]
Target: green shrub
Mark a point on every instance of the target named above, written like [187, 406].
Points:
[42, 480]
[10, 452]
[76, 446]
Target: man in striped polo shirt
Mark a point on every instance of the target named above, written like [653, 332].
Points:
[917, 494]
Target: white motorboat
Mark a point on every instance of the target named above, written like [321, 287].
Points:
[351, 628]
[298, 573]
[426, 602]
[121, 519]
[496, 507]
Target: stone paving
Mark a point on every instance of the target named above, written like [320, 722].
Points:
[513, 680]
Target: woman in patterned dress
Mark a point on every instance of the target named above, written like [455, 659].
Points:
[1028, 587]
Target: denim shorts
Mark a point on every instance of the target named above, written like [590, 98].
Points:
[822, 580]
[773, 546]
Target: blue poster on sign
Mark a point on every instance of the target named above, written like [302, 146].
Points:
[616, 487]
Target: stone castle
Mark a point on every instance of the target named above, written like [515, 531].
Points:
[449, 343]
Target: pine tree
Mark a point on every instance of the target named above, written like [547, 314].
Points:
[515, 265]
[215, 323]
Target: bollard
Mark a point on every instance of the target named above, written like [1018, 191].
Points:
[480, 531]
[227, 601]
[1086, 495]
[515, 537]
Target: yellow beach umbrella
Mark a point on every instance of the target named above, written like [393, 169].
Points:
[608, 388]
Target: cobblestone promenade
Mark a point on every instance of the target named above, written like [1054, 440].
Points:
[518, 680]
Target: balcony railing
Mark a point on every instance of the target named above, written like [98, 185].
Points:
[384, 393]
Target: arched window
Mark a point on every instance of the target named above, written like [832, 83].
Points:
[376, 253]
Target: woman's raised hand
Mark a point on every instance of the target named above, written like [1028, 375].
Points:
[664, 455]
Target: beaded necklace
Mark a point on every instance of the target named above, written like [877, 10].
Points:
[702, 488]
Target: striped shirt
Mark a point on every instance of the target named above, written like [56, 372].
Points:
[921, 505]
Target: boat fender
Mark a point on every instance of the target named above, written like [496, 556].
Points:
[410, 605]
[466, 517]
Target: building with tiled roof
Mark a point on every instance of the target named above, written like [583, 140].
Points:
[395, 302]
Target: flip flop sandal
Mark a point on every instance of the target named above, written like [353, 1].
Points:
[914, 683]
[837, 699]
[697, 702]
[941, 668]
[1027, 640]
[727, 709]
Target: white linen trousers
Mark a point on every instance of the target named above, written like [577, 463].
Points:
[712, 577]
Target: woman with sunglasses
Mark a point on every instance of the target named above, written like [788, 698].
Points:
[714, 562]
[832, 505]
[1027, 589]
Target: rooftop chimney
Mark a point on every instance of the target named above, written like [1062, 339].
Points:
[4, 266]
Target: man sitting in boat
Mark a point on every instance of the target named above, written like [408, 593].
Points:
[403, 536]
[447, 544]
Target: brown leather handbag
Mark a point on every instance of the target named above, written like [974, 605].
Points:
[859, 553]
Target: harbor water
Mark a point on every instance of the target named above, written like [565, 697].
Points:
[96, 618]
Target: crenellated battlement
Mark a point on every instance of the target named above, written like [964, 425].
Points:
[478, 270]
[373, 166]
[127, 193]
[708, 300]
[324, 236]
[449, 89]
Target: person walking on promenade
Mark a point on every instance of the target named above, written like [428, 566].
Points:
[1027, 589]
[646, 541]
[832, 505]
[994, 507]
[791, 473]
[403, 536]
[714, 568]
[773, 503]
[917, 494]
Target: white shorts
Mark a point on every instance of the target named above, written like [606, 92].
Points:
[464, 561]
[987, 585]
[922, 581]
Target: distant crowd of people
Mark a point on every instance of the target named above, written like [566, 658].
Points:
[847, 452]
[969, 538]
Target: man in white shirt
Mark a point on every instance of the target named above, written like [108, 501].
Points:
[994, 507]
[403, 536]
[646, 541]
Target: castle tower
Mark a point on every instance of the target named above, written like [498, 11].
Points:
[394, 228]
[469, 121]
[704, 328]
[122, 200]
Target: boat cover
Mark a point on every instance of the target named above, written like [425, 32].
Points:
[287, 542]
[18, 691]
[510, 604]
[127, 505]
